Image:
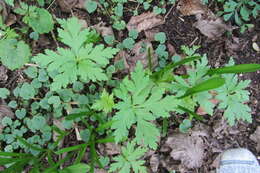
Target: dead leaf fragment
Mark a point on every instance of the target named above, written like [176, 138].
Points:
[188, 149]
[112, 149]
[256, 47]
[104, 30]
[154, 162]
[3, 74]
[144, 21]
[150, 33]
[141, 51]
[256, 138]
[211, 27]
[191, 7]
[67, 5]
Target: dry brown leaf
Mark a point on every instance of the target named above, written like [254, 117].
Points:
[144, 22]
[191, 7]
[3, 10]
[3, 74]
[211, 27]
[11, 19]
[112, 149]
[67, 5]
[149, 34]
[256, 138]
[102, 29]
[188, 149]
[140, 53]
[154, 162]
[100, 171]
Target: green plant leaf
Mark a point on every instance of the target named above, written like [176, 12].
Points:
[41, 21]
[10, 2]
[119, 9]
[129, 160]
[139, 105]
[4, 93]
[20, 114]
[165, 74]
[55, 101]
[128, 43]
[244, 12]
[91, 6]
[241, 68]
[105, 103]
[205, 86]
[69, 149]
[14, 54]
[80, 59]
[27, 91]
[160, 37]
[185, 125]
[233, 97]
[77, 168]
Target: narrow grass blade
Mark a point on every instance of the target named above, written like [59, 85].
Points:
[105, 126]
[241, 68]
[205, 86]
[106, 140]
[79, 115]
[14, 154]
[68, 149]
[163, 74]
[30, 145]
[196, 116]
[80, 155]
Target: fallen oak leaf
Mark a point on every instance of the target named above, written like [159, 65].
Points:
[144, 22]
[211, 27]
[191, 7]
[188, 149]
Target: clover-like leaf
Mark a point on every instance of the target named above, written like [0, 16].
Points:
[14, 54]
[4, 93]
[40, 20]
[27, 91]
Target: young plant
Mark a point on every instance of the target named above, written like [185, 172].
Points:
[39, 19]
[129, 160]
[140, 100]
[13, 53]
[81, 59]
[241, 11]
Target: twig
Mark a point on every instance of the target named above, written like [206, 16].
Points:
[51, 4]
[165, 17]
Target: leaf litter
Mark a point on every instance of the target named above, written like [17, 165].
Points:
[208, 24]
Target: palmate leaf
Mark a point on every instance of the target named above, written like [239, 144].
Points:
[233, 97]
[79, 60]
[142, 102]
[129, 158]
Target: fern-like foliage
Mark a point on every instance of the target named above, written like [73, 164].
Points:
[105, 103]
[129, 158]
[196, 74]
[233, 97]
[81, 59]
[141, 102]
